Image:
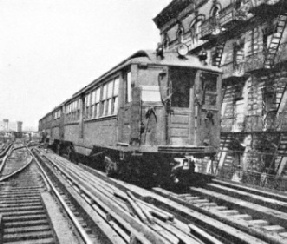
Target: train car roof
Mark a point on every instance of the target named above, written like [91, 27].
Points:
[150, 57]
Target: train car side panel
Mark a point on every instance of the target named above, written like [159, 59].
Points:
[101, 132]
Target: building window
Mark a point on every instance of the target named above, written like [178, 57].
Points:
[215, 14]
[179, 33]
[238, 53]
[165, 41]
[209, 89]
[237, 4]
[195, 31]
[267, 34]
[215, 11]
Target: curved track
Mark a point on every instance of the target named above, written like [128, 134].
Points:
[24, 218]
[32, 209]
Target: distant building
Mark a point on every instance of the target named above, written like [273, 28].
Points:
[19, 126]
[5, 124]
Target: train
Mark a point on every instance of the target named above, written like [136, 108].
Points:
[149, 118]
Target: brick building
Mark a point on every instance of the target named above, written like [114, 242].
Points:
[248, 40]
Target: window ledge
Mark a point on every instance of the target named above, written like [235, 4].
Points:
[72, 123]
[101, 118]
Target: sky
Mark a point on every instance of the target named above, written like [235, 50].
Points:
[49, 49]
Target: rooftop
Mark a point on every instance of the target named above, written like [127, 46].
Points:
[174, 9]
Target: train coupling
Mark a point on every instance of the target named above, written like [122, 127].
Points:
[182, 169]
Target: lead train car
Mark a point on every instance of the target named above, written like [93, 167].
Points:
[147, 116]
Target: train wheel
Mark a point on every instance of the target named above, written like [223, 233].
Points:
[58, 149]
[71, 155]
[111, 167]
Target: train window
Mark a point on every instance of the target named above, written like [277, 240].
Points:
[209, 92]
[109, 89]
[88, 105]
[116, 87]
[103, 103]
[110, 98]
[182, 79]
[95, 102]
[128, 87]
[115, 96]
[97, 106]
[78, 108]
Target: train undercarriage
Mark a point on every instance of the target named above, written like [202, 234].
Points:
[144, 168]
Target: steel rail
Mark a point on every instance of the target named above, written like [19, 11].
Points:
[16, 171]
[134, 225]
[73, 218]
[11, 149]
[74, 179]
[2, 153]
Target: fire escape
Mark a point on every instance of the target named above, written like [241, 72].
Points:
[217, 30]
[273, 89]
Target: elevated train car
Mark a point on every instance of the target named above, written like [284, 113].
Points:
[150, 115]
[45, 125]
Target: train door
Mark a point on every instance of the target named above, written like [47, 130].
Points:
[181, 128]
[81, 115]
[124, 113]
[207, 108]
[61, 124]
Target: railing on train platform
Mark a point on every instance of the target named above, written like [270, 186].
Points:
[255, 175]
[254, 178]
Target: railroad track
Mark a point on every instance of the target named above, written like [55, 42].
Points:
[29, 212]
[24, 218]
[122, 216]
[192, 215]
[4, 151]
[259, 213]
[232, 213]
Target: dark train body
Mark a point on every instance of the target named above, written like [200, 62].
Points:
[147, 116]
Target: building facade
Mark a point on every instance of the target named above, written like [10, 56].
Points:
[248, 40]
